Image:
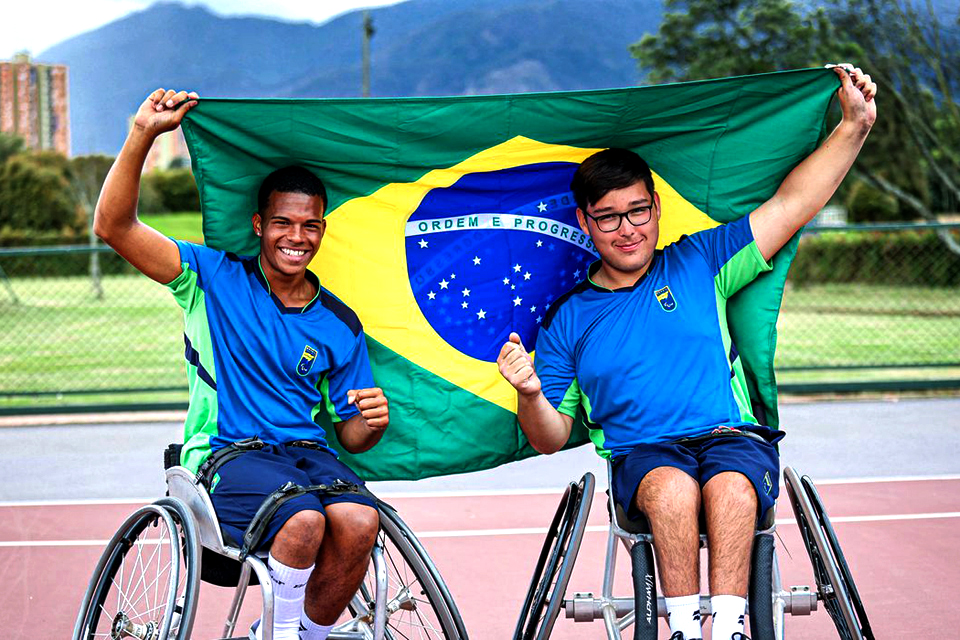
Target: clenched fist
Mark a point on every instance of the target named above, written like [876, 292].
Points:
[516, 366]
[372, 405]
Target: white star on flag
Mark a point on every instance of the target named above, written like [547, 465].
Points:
[541, 207]
[481, 314]
[517, 301]
[517, 268]
[512, 287]
[476, 259]
[539, 319]
[443, 284]
[465, 292]
[506, 281]
[431, 295]
[533, 309]
[539, 243]
[464, 304]
[423, 244]
[526, 276]
[576, 274]
[453, 276]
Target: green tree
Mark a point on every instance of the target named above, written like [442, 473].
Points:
[10, 145]
[35, 196]
[909, 48]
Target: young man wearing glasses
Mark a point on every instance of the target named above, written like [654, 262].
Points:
[643, 347]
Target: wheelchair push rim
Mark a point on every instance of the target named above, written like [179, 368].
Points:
[146, 581]
[418, 604]
[835, 585]
[548, 585]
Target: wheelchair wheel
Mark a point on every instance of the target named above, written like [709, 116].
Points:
[419, 605]
[835, 583]
[146, 583]
[555, 564]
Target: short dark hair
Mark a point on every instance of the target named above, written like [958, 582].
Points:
[292, 179]
[606, 171]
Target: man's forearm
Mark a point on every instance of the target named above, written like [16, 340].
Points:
[807, 188]
[356, 436]
[117, 207]
[546, 428]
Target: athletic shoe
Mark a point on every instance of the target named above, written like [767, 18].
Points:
[679, 636]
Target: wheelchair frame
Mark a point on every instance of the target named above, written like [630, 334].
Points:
[187, 529]
[768, 602]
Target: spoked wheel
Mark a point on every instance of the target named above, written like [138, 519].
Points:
[146, 583]
[552, 573]
[418, 604]
[835, 585]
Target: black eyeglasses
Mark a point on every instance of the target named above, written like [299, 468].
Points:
[608, 222]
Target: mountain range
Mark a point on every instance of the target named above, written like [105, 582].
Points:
[420, 47]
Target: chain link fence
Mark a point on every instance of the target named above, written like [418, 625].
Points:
[871, 306]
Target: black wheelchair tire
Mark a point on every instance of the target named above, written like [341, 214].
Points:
[407, 558]
[832, 587]
[845, 574]
[761, 588]
[558, 554]
[175, 616]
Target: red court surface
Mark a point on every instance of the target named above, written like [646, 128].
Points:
[900, 537]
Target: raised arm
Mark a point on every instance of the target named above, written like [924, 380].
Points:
[810, 185]
[546, 428]
[116, 219]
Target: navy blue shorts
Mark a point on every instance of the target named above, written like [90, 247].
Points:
[241, 485]
[701, 460]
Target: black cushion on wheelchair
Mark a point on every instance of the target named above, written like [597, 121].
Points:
[641, 525]
[222, 571]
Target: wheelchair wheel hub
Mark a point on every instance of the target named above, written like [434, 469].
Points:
[123, 627]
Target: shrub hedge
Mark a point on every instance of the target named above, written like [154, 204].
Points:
[909, 257]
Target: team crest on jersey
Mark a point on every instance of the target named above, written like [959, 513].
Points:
[666, 299]
[767, 483]
[306, 360]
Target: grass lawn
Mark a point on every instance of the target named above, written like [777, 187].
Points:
[185, 225]
[61, 339]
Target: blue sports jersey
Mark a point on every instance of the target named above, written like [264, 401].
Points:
[654, 362]
[256, 367]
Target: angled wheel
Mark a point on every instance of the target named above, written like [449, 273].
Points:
[418, 603]
[835, 584]
[557, 557]
[146, 583]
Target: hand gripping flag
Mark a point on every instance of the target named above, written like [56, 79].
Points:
[451, 224]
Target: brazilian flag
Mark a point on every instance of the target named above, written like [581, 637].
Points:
[451, 224]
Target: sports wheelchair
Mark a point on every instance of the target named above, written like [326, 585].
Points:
[146, 583]
[767, 601]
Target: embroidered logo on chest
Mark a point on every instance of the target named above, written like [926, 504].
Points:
[666, 299]
[306, 360]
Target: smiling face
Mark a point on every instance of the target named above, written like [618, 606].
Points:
[290, 231]
[626, 252]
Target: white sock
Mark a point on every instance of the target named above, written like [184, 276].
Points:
[727, 616]
[289, 589]
[683, 612]
[310, 630]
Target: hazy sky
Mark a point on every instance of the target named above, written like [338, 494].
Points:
[36, 25]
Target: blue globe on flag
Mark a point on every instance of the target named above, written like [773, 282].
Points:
[489, 254]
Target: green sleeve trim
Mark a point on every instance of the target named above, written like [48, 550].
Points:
[184, 288]
[741, 269]
[326, 404]
[571, 400]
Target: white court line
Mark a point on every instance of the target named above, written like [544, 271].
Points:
[468, 493]
[487, 533]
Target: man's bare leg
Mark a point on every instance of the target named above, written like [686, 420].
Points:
[730, 504]
[291, 563]
[342, 561]
[671, 501]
